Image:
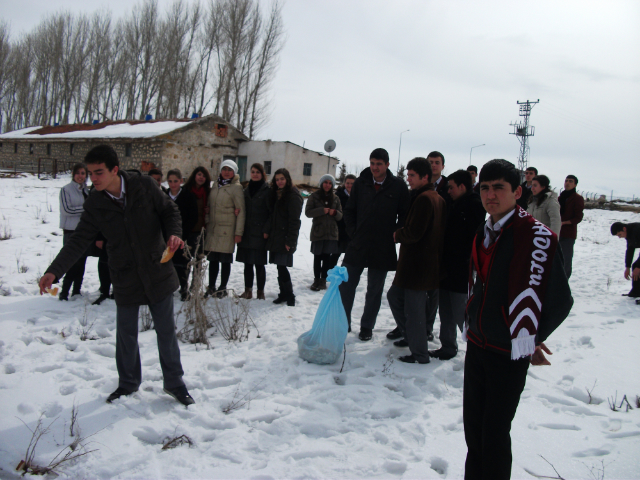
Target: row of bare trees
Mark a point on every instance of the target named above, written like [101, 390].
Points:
[219, 57]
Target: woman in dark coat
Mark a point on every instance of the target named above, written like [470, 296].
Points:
[325, 209]
[284, 227]
[344, 192]
[252, 250]
[188, 207]
[199, 184]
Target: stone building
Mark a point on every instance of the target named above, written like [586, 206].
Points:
[164, 144]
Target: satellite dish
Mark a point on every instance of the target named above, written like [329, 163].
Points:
[329, 146]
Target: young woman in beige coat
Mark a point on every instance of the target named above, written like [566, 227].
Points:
[543, 204]
[225, 225]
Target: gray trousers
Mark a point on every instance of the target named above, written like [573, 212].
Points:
[452, 306]
[373, 298]
[408, 308]
[128, 353]
[431, 308]
[566, 244]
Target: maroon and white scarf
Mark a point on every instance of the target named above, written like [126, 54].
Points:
[534, 249]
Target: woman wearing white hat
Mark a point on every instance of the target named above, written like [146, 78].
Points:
[225, 225]
[326, 210]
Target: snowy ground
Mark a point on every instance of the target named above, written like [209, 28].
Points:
[379, 418]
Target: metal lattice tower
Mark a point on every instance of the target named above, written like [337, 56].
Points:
[523, 131]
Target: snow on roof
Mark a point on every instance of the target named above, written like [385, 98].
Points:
[133, 129]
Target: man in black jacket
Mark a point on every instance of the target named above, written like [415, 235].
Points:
[377, 207]
[131, 212]
[519, 296]
[529, 174]
[464, 217]
[630, 231]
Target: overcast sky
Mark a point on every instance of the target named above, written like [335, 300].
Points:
[361, 72]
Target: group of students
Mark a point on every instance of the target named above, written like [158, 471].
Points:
[510, 267]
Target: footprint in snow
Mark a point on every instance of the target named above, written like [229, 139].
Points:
[439, 465]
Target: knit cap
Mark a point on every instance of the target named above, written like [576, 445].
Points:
[231, 164]
[325, 178]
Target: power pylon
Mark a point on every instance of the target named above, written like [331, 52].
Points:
[523, 131]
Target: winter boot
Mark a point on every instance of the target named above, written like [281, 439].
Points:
[247, 294]
[287, 291]
[315, 285]
[322, 284]
[260, 294]
[282, 295]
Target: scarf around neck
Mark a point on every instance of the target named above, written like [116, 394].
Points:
[562, 199]
[529, 271]
[254, 187]
[222, 182]
[199, 192]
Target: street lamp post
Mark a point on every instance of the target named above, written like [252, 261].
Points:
[471, 151]
[399, 149]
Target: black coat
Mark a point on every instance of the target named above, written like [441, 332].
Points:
[188, 207]
[134, 240]
[257, 218]
[523, 201]
[443, 190]
[284, 224]
[464, 217]
[343, 236]
[371, 218]
[633, 242]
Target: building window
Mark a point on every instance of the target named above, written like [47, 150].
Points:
[0, 144]
[31, 149]
[267, 167]
[15, 148]
[306, 171]
[220, 130]
[48, 149]
[71, 149]
[128, 148]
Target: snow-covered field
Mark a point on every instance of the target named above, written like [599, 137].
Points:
[379, 418]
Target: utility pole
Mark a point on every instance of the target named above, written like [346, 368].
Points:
[523, 131]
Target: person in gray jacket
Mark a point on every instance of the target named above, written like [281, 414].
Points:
[131, 212]
[543, 204]
[72, 198]
[326, 210]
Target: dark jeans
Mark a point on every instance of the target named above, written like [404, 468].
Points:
[75, 274]
[452, 306]
[214, 268]
[408, 308]
[261, 276]
[566, 244]
[493, 384]
[431, 308]
[128, 353]
[103, 270]
[373, 298]
[323, 263]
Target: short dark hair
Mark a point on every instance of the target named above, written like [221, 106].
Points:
[155, 171]
[173, 171]
[531, 169]
[421, 166]
[500, 169]
[350, 176]
[617, 227]
[436, 154]
[77, 167]
[574, 178]
[259, 167]
[462, 177]
[102, 154]
[472, 168]
[380, 154]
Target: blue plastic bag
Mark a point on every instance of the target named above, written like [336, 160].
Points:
[323, 344]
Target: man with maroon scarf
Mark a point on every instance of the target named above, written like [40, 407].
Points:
[519, 294]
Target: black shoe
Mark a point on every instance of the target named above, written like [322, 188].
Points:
[63, 296]
[120, 392]
[291, 300]
[366, 334]
[184, 296]
[100, 299]
[638, 302]
[401, 343]
[280, 299]
[74, 293]
[430, 336]
[395, 334]
[441, 354]
[349, 328]
[181, 394]
[315, 285]
[412, 359]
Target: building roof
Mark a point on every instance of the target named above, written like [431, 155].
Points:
[109, 129]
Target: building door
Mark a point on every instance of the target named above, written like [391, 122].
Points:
[242, 168]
